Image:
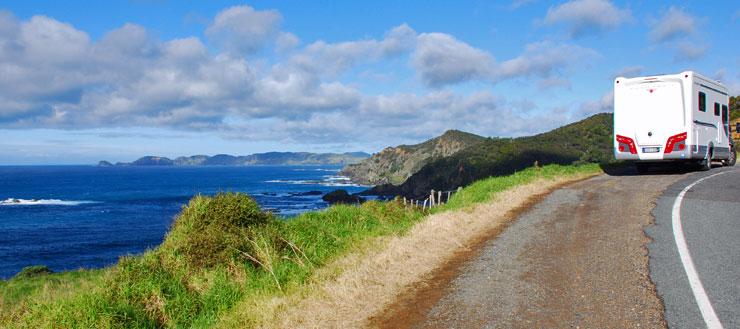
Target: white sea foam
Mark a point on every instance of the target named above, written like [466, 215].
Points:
[41, 202]
[333, 181]
[317, 169]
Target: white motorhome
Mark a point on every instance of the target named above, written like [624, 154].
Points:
[676, 117]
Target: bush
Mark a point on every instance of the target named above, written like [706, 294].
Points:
[32, 271]
[212, 230]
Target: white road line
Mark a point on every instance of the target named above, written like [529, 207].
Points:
[710, 318]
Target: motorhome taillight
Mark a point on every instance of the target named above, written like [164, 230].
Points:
[628, 142]
[676, 140]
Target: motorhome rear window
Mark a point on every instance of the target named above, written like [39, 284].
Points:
[716, 109]
[702, 102]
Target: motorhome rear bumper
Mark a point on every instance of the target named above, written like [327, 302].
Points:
[692, 152]
[656, 157]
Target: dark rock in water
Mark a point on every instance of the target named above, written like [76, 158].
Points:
[309, 193]
[32, 271]
[341, 196]
[104, 164]
[387, 190]
[269, 193]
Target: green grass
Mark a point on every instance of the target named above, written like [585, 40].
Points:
[483, 190]
[221, 251]
[22, 293]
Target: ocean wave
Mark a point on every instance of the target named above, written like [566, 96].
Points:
[317, 169]
[332, 181]
[41, 202]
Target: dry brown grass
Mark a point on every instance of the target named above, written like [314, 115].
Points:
[355, 288]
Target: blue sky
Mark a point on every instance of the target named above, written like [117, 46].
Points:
[84, 81]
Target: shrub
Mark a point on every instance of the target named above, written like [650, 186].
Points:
[212, 230]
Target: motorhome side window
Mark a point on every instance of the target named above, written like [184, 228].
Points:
[716, 109]
[702, 102]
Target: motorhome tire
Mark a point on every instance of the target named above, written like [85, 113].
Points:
[706, 164]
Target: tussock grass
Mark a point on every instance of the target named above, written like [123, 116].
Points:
[227, 262]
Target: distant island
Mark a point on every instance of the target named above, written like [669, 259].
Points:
[257, 159]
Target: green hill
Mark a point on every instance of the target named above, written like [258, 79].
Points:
[589, 140]
[395, 164]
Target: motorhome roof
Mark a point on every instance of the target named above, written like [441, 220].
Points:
[715, 83]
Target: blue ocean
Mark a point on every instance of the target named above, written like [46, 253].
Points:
[69, 217]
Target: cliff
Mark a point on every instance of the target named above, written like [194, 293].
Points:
[394, 165]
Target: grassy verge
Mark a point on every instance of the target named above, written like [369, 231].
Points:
[483, 190]
[220, 252]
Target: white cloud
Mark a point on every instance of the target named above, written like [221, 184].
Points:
[54, 76]
[335, 58]
[243, 30]
[553, 82]
[583, 17]
[286, 41]
[415, 117]
[542, 59]
[46, 40]
[677, 30]
[441, 59]
[674, 24]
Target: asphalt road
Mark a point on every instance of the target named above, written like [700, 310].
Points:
[710, 220]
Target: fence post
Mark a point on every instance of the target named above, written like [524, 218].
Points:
[404, 202]
[448, 196]
[431, 199]
[425, 204]
[439, 197]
